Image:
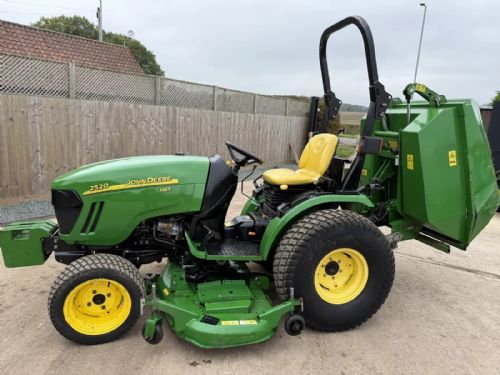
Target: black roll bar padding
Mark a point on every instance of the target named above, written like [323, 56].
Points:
[366, 33]
[313, 115]
[379, 98]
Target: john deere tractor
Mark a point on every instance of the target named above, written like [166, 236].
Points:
[423, 169]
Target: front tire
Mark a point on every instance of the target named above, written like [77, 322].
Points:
[96, 299]
[340, 263]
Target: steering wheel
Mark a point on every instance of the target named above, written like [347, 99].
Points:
[242, 157]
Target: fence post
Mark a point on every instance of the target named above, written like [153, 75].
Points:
[254, 104]
[286, 107]
[71, 80]
[158, 82]
[214, 93]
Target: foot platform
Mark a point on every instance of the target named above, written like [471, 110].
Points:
[232, 248]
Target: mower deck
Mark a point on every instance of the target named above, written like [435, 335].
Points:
[217, 313]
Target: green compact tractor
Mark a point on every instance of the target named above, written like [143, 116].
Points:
[422, 169]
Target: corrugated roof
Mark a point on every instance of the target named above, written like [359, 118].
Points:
[22, 40]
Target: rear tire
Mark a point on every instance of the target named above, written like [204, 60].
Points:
[339, 263]
[96, 299]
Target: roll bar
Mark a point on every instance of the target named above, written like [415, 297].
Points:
[379, 98]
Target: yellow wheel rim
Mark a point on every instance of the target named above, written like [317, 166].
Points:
[97, 306]
[341, 276]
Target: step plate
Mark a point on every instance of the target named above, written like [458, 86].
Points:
[232, 247]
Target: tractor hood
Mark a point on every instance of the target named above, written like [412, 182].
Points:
[134, 172]
[111, 198]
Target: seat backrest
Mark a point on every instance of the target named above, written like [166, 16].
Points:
[318, 153]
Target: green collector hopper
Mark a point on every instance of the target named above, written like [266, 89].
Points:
[451, 189]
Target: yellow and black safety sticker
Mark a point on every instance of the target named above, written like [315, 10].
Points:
[238, 322]
[420, 88]
[248, 322]
[132, 184]
[452, 158]
[393, 144]
[230, 322]
[409, 162]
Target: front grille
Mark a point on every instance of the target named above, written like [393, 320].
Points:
[67, 206]
[91, 220]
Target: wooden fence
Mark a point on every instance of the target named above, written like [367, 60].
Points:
[42, 137]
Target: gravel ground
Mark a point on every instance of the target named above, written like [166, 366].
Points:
[25, 210]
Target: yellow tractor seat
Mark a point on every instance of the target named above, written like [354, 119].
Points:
[313, 163]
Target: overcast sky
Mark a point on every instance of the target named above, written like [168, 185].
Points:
[272, 46]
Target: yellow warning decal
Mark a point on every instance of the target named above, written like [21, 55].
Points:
[452, 158]
[409, 162]
[364, 172]
[393, 144]
[247, 322]
[238, 322]
[420, 88]
[230, 322]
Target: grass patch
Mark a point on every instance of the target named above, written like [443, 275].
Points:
[344, 151]
[348, 135]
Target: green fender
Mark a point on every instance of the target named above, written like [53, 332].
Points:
[279, 224]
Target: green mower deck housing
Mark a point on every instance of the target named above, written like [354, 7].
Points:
[422, 168]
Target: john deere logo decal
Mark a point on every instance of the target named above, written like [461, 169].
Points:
[132, 184]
